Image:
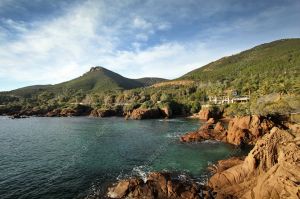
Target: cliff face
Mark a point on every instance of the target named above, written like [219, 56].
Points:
[248, 129]
[271, 170]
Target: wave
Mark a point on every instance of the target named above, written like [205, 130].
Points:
[173, 135]
[210, 142]
[138, 171]
[171, 120]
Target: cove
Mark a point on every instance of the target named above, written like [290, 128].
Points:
[72, 157]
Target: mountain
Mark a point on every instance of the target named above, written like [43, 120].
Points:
[98, 79]
[267, 68]
[270, 60]
[268, 72]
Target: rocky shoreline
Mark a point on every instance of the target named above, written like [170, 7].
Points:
[136, 114]
[270, 170]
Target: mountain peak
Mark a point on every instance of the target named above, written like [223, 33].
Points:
[97, 68]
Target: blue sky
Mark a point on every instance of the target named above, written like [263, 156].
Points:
[50, 41]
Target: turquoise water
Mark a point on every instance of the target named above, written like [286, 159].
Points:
[72, 157]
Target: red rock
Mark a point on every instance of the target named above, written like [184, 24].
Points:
[219, 127]
[248, 129]
[138, 114]
[206, 113]
[158, 186]
[211, 121]
[271, 170]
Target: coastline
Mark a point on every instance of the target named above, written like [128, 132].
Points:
[240, 131]
[220, 182]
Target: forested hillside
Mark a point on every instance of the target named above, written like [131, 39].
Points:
[269, 73]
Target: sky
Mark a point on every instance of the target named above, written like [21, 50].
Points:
[51, 41]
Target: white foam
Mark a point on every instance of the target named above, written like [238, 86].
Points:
[173, 135]
[210, 142]
[170, 120]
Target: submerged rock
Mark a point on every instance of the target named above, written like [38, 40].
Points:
[18, 116]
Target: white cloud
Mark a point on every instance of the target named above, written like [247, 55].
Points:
[167, 60]
[97, 33]
[54, 47]
[141, 23]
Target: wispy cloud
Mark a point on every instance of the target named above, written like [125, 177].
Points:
[134, 38]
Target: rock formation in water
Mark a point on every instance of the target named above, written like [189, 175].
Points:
[78, 110]
[157, 186]
[241, 130]
[271, 170]
[140, 113]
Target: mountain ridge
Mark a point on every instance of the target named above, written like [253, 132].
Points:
[97, 79]
[252, 65]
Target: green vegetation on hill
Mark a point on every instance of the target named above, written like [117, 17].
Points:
[148, 81]
[270, 72]
[99, 79]
[267, 68]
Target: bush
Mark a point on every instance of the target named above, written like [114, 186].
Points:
[195, 107]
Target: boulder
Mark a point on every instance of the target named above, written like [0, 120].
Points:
[207, 131]
[206, 113]
[140, 113]
[158, 186]
[271, 170]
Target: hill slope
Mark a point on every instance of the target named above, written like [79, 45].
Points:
[98, 79]
[148, 81]
[278, 60]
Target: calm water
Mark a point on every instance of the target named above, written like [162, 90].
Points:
[71, 157]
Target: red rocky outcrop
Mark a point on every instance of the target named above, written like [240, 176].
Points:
[271, 170]
[241, 130]
[157, 186]
[139, 114]
[206, 113]
[207, 131]
[247, 129]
